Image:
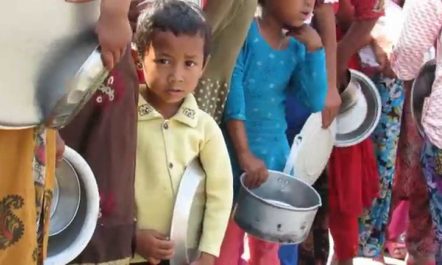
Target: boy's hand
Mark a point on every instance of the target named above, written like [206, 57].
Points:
[204, 259]
[152, 261]
[308, 36]
[255, 169]
[153, 245]
[114, 34]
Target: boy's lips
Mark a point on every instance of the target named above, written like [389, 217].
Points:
[174, 91]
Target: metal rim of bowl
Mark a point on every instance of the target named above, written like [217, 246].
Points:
[372, 126]
[92, 196]
[291, 208]
[59, 197]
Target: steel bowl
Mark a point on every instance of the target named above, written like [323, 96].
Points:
[360, 112]
[281, 210]
[67, 244]
[420, 90]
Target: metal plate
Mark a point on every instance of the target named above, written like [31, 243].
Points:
[188, 214]
[313, 147]
[43, 47]
[358, 122]
[421, 89]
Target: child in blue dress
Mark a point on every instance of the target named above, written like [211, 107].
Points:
[270, 65]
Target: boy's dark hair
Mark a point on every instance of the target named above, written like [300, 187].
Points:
[177, 16]
[261, 2]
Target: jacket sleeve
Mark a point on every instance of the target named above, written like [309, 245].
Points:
[219, 191]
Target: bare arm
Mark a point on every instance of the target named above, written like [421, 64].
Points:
[357, 36]
[254, 167]
[238, 136]
[114, 31]
[324, 21]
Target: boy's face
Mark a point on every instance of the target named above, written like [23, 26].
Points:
[173, 65]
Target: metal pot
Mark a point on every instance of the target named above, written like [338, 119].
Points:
[50, 62]
[281, 210]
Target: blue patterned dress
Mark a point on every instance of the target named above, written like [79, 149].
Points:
[261, 81]
[373, 223]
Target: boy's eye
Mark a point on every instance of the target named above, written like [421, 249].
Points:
[162, 61]
[190, 63]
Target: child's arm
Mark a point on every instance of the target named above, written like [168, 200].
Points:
[324, 21]
[219, 193]
[235, 115]
[114, 31]
[366, 14]
[309, 81]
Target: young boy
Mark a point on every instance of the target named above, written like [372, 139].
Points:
[172, 40]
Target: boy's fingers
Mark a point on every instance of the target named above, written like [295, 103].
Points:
[164, 254]
[165, 244]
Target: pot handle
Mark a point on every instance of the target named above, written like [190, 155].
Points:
[290, 164]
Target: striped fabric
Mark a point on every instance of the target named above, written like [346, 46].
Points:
[421, 31]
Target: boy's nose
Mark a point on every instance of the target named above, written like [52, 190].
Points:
[177, 76]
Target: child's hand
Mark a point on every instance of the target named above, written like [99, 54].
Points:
[308, 36]
[255, 169]
[382, 51]
[154, 246]
[204, 259]
[114, 34]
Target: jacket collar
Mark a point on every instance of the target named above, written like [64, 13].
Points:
[186, 114]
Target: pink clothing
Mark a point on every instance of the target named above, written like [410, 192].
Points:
[422, 27]
[399, 221]
[409, 184]
[261, 252]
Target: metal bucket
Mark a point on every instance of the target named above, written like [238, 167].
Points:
[50, 63]
[281, 210]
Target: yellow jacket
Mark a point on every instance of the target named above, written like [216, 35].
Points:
[164, 149]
